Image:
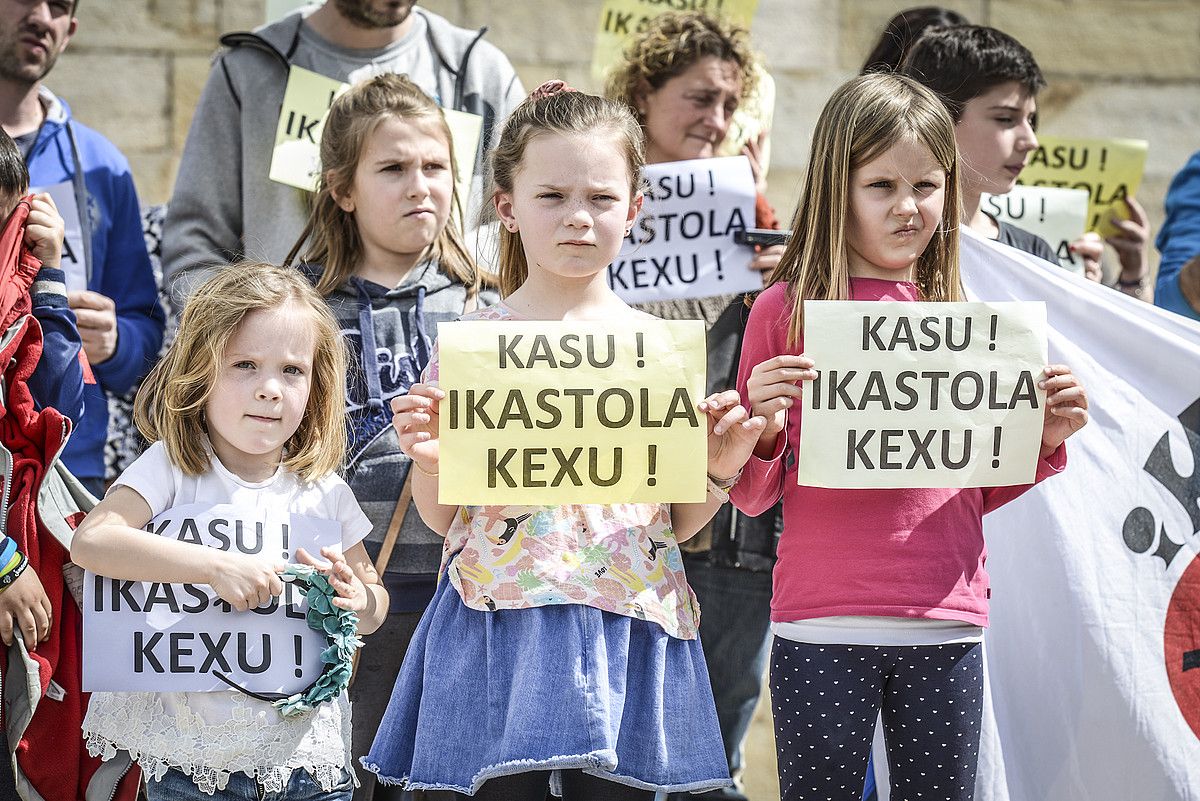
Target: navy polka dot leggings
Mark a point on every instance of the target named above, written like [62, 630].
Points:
[825, 699]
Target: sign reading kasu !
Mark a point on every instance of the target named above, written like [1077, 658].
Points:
[922, 394]
[160, 637]
[580, 412]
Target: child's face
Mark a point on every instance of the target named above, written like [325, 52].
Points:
[896, 203]
[995, 137]
[402, 190]
[261, 388]
[571, 203]
[689, 115]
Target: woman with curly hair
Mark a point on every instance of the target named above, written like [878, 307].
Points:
[684, 77]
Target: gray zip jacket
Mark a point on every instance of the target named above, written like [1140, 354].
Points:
[224, 207]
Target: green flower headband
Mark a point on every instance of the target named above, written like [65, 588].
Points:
[339, 625]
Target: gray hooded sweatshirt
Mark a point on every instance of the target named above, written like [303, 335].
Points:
[225, 208]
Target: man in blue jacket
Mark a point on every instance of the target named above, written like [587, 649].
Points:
[109, 279]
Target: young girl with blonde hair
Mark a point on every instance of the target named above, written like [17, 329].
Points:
[244, 411]
[384, 247]
[880, 595]
[574, 679]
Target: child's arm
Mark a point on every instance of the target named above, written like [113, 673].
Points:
[1065, 413]
[110, 542]
[357, 584]
[25, 610]
[415, 417]
[58, 379]
[732, 435]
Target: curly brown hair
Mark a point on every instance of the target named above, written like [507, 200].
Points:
[673, 42]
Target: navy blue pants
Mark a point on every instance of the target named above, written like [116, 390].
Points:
[825, 700]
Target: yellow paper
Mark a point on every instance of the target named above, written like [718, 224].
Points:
[1109, 169]
[922, 394]
[547, 413]
[296, 160]
[620, 20]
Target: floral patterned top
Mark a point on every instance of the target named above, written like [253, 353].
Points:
[621, 558]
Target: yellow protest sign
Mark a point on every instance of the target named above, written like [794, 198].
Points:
[922, 394]
[545, 413]
[296, 159]
[1109, 169]
[620, 20]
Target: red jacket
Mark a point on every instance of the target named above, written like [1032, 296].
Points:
[43, 722]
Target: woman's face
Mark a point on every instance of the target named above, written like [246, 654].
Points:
[688, 116]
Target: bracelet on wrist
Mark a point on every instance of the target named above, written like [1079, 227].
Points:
[1139, 281]
[8, 547]
[12, 562]
[719, 487]
[423, 471]
[8, 578]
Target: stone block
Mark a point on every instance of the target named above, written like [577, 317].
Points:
[123, 96]
[241, 15]
[150, 25]
[188, 77]
[796, 34]
[798, 102]
[863, 21]
[1151, 39]
[562, 32]
[154, 175]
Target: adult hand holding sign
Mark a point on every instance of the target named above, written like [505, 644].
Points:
[96, 316]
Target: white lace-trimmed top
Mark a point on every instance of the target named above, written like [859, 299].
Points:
[208, 736]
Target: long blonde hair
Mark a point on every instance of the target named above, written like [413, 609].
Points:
[863, 119]
[170, 404]
[563, 112]
[332, 233]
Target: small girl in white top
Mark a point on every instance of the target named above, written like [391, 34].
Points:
[246, 411]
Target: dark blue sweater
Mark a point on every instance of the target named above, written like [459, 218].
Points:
[120, 268]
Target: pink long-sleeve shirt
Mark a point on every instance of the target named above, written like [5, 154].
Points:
[890, 552]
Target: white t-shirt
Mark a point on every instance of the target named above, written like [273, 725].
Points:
[210, 735]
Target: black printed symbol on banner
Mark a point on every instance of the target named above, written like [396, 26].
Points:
[1140, 528]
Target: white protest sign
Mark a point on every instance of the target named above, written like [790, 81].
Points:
[922, 394]
[1057, 215]
[158, 637]
[681, 245]
[74, 264]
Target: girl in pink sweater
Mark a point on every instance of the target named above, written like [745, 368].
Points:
[880, 595]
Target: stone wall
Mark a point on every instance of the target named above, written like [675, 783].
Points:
[1126, 68]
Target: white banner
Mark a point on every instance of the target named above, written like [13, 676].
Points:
[153, 636]
[681, 245]
[1094, 649]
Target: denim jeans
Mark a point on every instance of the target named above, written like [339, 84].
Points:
[735, 631]
[176, 785]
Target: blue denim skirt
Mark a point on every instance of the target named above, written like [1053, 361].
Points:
[487, 694]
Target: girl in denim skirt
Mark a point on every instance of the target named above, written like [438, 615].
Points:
[590, 681]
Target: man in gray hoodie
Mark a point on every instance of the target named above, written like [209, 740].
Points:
[225, 208]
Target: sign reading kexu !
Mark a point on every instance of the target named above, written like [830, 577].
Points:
[542, 413]
[922, 394]
[682, 243]
[160, 637]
